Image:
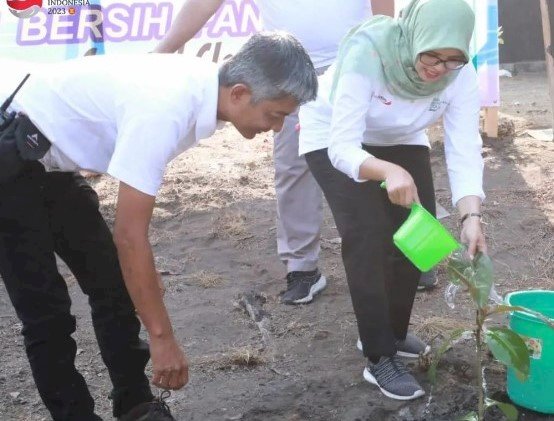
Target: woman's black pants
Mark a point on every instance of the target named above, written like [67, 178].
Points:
[381, 280]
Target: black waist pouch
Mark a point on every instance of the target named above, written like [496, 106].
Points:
[11, 163]
[20, 141]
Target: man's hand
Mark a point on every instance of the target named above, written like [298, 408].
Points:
[170, 366]
[132, 219]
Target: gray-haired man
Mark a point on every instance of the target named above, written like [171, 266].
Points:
[128, 117]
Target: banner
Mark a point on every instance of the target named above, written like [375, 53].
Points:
[64, 29]
[484, 48]
[54, 30]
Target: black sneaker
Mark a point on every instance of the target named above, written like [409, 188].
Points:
[411, 347]
[302, 286]
[156, 410]
[427, 280]
[392, 377]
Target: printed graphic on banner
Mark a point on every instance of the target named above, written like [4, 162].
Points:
[54, 30]
[64, 29]
[23, 9]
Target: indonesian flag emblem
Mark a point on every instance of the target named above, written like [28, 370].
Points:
[24, 8]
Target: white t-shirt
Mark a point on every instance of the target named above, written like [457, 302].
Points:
[364, 111]
[127, 116]
[318, 24]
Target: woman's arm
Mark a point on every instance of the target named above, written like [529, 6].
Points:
[463, 157]
[348, 124]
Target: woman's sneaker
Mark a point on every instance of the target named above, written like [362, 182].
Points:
[156, 410]
[411, 347]
[303, 286]
[427, 280]
[392, 377]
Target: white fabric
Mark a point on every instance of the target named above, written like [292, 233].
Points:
[318, 24]
[366, 112]
[127, 116]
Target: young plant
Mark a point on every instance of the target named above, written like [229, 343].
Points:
[507, 346]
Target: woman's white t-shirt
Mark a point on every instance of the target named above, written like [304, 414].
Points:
[365, 112]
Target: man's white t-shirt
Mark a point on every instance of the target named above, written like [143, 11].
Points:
[127, 116]
[318, 24]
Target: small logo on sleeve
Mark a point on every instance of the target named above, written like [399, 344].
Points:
[381, 98]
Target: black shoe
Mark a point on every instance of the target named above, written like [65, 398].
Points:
[392, 377]
[427, 280]
[156, 410]
[302, 286]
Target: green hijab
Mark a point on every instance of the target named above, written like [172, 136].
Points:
[388, 49]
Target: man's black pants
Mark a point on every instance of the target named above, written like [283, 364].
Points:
[381, 280]
[42, 214]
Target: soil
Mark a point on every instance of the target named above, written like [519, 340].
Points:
[213, 234]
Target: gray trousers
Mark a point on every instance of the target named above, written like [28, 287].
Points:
[299, 202]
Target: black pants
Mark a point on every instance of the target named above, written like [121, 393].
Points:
[42, 214]
[381, 280]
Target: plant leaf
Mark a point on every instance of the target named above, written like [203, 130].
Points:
[508, 348]
[507, 409]
[445, 346]
[472, 416]
[458, 263]
[482, 278]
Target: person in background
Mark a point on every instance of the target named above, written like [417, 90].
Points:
[393, 78]
[299, 199]
[126, 116]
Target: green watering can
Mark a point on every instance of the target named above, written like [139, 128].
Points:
[423, 239]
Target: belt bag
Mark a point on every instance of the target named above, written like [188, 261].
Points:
[20, 141]
[31, 143]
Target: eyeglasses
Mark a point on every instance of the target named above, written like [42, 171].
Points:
[431, 60]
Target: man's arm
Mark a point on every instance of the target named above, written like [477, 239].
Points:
[191, 18]
[383, 7]
[132, 219]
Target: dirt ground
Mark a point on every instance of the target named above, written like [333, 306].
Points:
[213, 234]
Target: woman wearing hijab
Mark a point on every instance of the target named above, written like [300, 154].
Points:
[394, 78]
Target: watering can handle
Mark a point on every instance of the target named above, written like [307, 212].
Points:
[383, 185]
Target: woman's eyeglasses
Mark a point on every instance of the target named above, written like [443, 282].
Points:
[432, 60]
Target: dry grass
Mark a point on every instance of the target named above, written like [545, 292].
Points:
[439, 327]
[242, 357]
[229, 225]
[206, 279]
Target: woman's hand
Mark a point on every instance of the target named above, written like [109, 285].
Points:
[400, 186]
[472, 230]
[472, 235]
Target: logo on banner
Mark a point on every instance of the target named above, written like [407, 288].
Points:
[24, 8]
